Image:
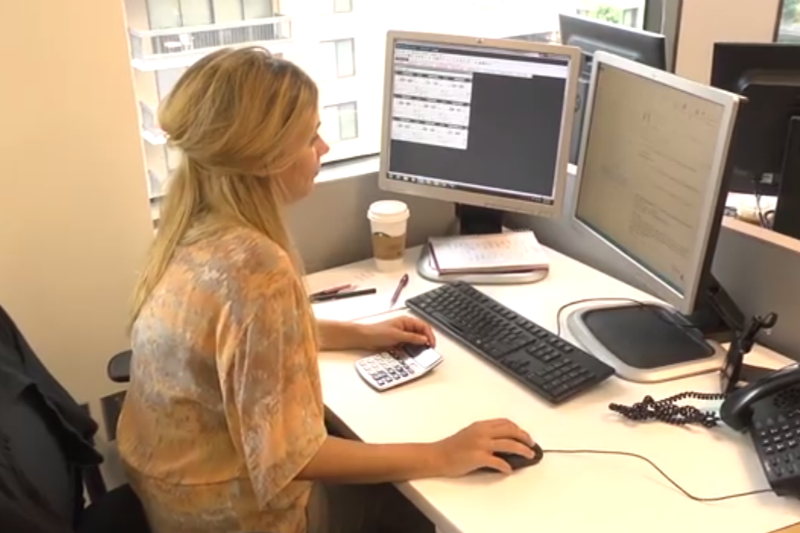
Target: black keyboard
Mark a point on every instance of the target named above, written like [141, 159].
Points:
[551, 367]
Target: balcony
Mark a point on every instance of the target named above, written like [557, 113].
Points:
[179, 47]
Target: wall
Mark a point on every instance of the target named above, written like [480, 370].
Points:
[704, 22]
[74, 219]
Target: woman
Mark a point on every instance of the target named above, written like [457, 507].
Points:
[223, 428]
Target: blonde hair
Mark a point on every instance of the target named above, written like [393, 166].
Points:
[237, 116]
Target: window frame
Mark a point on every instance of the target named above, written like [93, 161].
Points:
[776, 37]
[664, 16]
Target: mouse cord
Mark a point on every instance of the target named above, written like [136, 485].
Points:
[664, 474]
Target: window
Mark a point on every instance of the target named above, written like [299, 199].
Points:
[166, 36]
[336, 59]
[340, 122]
[342, 6]
[789, 30]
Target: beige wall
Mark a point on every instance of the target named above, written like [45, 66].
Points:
[704, 22]
[73, 207]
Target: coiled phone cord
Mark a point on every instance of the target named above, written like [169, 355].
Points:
[669, 412]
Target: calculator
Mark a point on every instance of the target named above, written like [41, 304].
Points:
[386, 370]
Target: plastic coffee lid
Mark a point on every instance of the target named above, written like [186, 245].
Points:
[388, 211]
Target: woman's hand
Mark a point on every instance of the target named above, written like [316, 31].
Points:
[391, 333]
[474, 446]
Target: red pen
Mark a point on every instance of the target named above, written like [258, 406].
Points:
[399, 289]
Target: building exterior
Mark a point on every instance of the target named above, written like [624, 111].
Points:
[166, 36]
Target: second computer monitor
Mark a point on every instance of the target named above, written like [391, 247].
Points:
[479, 122]
[651, 188]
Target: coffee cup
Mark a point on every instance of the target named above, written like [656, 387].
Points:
[388, 224]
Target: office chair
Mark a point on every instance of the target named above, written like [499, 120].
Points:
[47, 453]
[119, 367]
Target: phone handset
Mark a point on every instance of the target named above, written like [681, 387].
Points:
[736, 411]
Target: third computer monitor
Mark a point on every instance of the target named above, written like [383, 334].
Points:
[651, 188]
[478, 122]
[591, 36]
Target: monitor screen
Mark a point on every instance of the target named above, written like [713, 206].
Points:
[477, 119]
[651, 173]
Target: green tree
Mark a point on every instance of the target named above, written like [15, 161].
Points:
[613, 14]
[791, 12]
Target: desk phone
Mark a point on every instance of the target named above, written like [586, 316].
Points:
[386, 370]
[769, 410]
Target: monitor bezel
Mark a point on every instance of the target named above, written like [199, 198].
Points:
[486, 200]
[710, 222]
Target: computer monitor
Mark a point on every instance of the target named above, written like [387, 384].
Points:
[651, 190]
[592, 35]
[765, 152]
[484, 123]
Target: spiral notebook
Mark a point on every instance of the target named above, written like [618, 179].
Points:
[517, 251]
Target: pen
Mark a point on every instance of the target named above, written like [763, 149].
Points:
[332, 290]
[341, 295]
[400, 286]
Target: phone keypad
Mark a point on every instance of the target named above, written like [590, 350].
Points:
[779, 440]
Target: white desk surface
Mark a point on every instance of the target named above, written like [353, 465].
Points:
[564, 493]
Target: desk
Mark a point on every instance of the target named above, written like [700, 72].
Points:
[564, 493]
[747, 207]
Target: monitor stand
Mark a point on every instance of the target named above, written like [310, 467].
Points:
[651, 342]
[474, 220]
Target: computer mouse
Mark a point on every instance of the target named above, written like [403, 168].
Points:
[519, 461]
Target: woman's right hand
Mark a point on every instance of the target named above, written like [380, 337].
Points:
[474, 447]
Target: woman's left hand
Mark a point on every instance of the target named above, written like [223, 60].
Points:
[391, 333]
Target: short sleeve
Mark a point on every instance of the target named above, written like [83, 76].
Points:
[269, 377]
